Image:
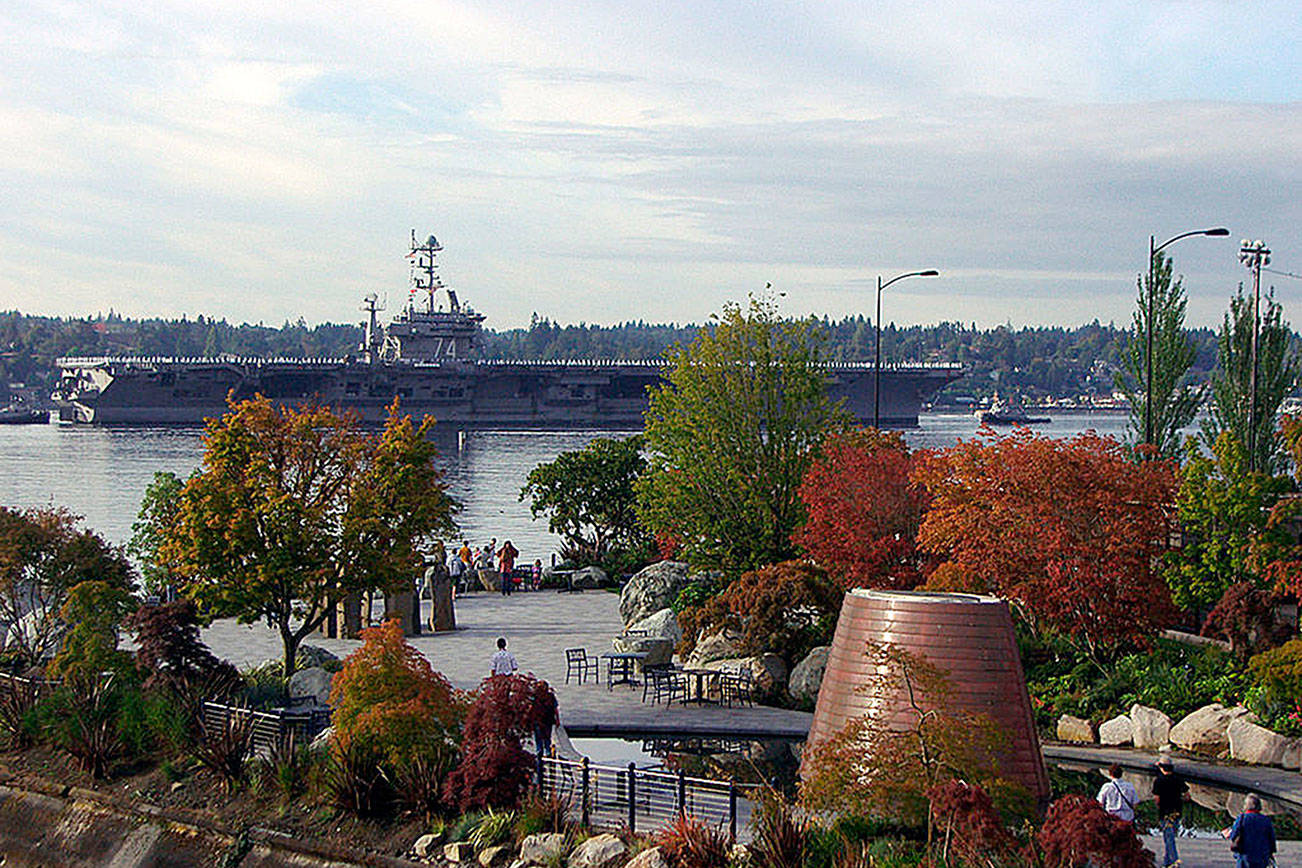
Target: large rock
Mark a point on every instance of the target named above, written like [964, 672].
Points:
[653, 588]
[661, 625]
[1075, 729]
[1205, 731]
[426, 847]
[496, 857]
[589, 579]
[1117, 731]
[658, 651]
[648, 858]
[490, 580]
[314, 682]
[599, 851]
[1152, 728]
[807, 675]
[1292, 759]
[1251, 743]
[314, 655]
[768, 673]
[459, 852]
[542, 849]
[721, 645]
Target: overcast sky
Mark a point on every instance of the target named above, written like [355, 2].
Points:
[608, 161]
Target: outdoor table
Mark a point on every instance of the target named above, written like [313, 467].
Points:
[698, 676]
[622, 663]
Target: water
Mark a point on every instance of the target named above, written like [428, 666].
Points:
[101, 473]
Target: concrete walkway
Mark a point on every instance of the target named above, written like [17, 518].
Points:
[539, 626]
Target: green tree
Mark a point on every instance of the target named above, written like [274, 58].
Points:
[731, 432]
[1231, 390]
[157, 512]
[1223, 510]
[293, 510]
[588, 497]
[1174, 404]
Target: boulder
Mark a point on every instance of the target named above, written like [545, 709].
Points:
[661, 625]
[599, 851]
[1292, 759]
[314, 682]
[648, 858]
[807, 675]
[1205, 730]
[496, 857]
[460, 852]
[426, 847]
[1251, 743]
[1151, 728]
[1117, 731]
[589, 579]
[657, 650]
[653, 588]
[1075, 729]
[768, 672]
[542, 849]
[309, 656]
[721, 645]
[322, 741]
[490, 580]
[1211, 798]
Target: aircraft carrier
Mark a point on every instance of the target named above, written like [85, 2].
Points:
[429, 357]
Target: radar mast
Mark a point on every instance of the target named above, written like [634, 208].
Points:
[425, 273]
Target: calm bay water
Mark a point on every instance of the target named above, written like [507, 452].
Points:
[101, 473]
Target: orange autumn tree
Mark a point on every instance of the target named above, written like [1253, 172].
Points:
[864, 511]
[1070, 531]
[1279, 557]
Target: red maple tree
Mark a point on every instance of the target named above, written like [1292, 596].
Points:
[863, 511]
[1071, 531]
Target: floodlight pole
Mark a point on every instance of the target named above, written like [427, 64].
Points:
[877, 368]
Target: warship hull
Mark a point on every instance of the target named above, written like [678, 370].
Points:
[552, 395]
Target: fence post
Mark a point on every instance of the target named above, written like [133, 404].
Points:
[682, 792]
[586, 782]
[732, 812]
[632, 798]
[539, 775]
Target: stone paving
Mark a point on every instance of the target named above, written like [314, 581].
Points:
[538, 626]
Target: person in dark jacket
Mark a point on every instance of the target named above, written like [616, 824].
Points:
[1171, 791]
[1253, 835]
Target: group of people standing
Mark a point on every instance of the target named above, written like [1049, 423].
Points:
[462, 562]
[1252, 837]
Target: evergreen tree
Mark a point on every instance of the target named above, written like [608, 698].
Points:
[1174, 403]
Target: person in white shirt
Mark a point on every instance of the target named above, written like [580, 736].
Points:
[503, 661]
[1118, 797]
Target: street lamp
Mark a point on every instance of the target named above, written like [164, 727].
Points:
[877, 376]
[1218, 232]
[1254, 254]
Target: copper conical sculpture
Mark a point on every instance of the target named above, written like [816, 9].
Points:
[968, 637]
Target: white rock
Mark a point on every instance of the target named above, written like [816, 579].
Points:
[1117, 731]
[1251, 743]
[322, 741]
[426, 846]
[314, 655]
[662, 625]
[1205, 730]
[589, 579]
[542, 848]
[1152, 728]
[768, 672]
[599, 851]
[657, 650]
[459, 852]
[495, 857]
[653, 588]
[720, 645]
[648, 858]
[807, 675]
[1075, 729]
[314, 682]
[1292, 759]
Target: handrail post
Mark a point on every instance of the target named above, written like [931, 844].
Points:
[632, 798]
[732, 812]
[539, 774]
[586, 783]
[682, 793]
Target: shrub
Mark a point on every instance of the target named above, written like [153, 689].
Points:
[539, 813]
[286, 768]
[690, 843]
[1077, 830]
[224, 748]
[966, 820]
[495, 828]
[93, 612]
[1245, 617]
[354, 781]
[172, 657]
[82, 718]
[493, 773]
[780, 837]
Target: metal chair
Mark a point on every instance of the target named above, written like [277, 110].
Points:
[738, 687]
[579, 664]
[663, 681]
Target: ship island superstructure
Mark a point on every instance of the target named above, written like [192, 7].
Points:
[428, 357]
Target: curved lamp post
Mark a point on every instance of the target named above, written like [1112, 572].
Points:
[877, 370]
[1254, 254]
[1218, 232]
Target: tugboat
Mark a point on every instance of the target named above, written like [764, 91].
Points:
[1008, 413]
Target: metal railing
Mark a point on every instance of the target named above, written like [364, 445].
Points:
[272, 728]
[638, 800]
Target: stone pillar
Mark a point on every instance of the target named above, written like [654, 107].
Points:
[348, 617]
[442, 614]
[398, 604]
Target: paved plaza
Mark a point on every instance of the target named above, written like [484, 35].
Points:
[539, 626]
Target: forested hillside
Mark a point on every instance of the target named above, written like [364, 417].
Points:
[1042, 362]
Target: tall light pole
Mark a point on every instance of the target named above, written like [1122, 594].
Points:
[1153, 249]
[877, 371]
[1254, 254]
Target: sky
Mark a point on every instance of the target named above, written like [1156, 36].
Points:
[610, 161]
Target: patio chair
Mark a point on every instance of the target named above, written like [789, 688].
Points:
[738, 687]
[579, 665]
[665, 682]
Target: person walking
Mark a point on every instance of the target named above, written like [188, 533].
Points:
[467, 556]
[1171, 792]
[506, 562]
[1252, 837]
[503, 661]
[456, 569]
[1118, 797]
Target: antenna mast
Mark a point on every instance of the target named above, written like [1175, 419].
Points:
[425, 270]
